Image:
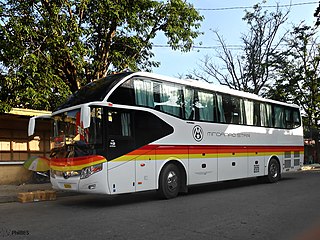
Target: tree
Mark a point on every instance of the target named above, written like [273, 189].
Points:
[299, 73]
[51, 48]
[252, 70]
[299, 79]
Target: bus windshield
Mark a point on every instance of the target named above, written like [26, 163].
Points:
[70, 139]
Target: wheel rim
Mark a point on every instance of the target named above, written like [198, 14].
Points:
[172, 181]
[274, 170]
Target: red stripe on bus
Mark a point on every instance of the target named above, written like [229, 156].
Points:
[77, 161]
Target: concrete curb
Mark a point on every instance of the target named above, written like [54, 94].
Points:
[310, 167]
[9, 193]
[14, 198]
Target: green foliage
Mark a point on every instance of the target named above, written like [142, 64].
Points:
[299, 73]
[50, 48]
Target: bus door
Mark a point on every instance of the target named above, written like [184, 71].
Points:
[131, 158]
[120, 142]
[148, 128]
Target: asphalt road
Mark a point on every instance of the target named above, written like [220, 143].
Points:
[244, 209]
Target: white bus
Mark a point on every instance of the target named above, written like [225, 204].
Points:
[140, 131]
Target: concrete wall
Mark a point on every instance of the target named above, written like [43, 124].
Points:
[14, 174]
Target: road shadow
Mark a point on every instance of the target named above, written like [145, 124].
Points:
[102, 201]
[231, 184]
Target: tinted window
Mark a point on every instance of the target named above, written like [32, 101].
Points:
[201, 105]
[230, 109]
[119, 123]
[94, 91]
[292, 118]
[204, 106]
[123, 94]
[165, 97]
[168, 98]
[296, 118]
[189, 108]
[119, 139]
[279, 114]
[249, 111]
[266, 115]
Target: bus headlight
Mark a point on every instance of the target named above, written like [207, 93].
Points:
[66, 175]
[88, 171]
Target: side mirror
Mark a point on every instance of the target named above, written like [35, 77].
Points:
[32, 123]
[31, 126]
[85, 116]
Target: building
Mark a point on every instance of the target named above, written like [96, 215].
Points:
[16, 146]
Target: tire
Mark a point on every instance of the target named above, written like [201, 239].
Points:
[169, 182]
[274, 174]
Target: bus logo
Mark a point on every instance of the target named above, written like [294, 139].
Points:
[197, 133]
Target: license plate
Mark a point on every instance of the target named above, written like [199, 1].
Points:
[67, 185]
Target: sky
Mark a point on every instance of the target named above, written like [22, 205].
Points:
[229, 24]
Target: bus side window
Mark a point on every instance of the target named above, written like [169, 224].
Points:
[221, 115]
[278, 116]
[227, 108]
[256, 114]
[189, 109]
[119, 134]
[288, 118]
[296, 119]
[237, 110]
[233, 109]
[143, 90]
[124, 94]
[292, 118]
[168, 98]
[266, 114]
[250, 112]
[242, 112]
[204, 106]
[96, 125]
[119, 124]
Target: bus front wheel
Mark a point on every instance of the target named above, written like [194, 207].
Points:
[169, 181]
[274, 173]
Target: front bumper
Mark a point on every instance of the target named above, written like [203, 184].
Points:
[96, 183]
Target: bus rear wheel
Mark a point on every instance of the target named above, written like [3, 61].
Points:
[274, 174]
[169, 181]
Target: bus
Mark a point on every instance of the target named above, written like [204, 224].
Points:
[138, 131]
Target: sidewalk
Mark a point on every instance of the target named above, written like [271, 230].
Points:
[310, 166]
[9, 193]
